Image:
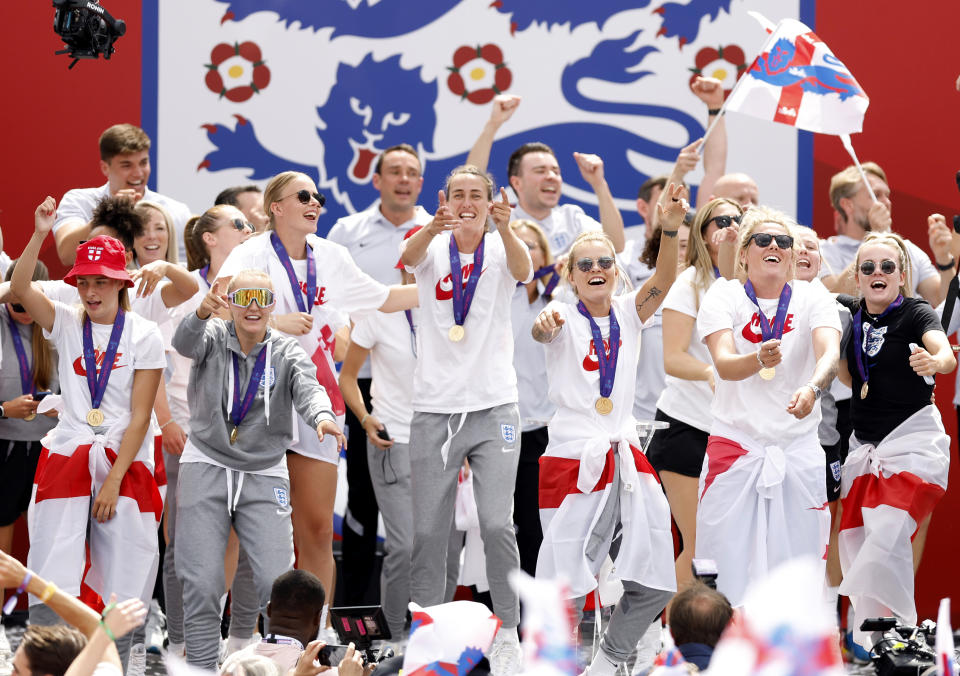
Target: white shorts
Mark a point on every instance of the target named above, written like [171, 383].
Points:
[305, 442]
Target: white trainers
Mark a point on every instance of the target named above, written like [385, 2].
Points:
[505, 655]
[155, 630]
[137, 661]
[648, 647]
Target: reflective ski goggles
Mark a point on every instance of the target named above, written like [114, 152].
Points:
[763, 240]
[887, 267]
[586, 264]
[245, 297]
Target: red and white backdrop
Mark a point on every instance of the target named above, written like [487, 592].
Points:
[234, 91]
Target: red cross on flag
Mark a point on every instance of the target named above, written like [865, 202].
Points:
[796, 80]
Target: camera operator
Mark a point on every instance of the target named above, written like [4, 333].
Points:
[698, 616]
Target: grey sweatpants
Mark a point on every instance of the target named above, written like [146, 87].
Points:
[639, 605]
[490, 440]
[244, 604]
[390, 476]
[261, 518]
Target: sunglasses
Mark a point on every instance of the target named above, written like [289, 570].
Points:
[763, 240]
[586, 264]
[245, 297]
[16, 307]
[305, 195]
[242, 225]
[887, 267]
[723, 221]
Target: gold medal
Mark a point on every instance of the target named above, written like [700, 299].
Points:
[456, 333]
[94, 417]
[30, 417]
[863, 391]
[768, 373]
[604, 406]
[233, 436]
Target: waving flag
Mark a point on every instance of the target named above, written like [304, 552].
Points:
[796, 80]
[548, 628]
[449, 639]
[946, 661]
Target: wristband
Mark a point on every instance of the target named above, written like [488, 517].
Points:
[106, 630]
[948, 266]
[714, 111]
[48, 592]
[762, 365]
[12, 601]
[107, 609]
[366, 415]
[166, 423]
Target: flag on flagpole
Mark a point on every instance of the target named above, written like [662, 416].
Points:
[796, 80]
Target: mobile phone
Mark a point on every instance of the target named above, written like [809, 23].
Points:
[956, 223]
[382, 433]
[38, 396]
[331, 655]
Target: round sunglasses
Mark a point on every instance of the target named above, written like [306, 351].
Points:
[887, 267]
[763, 240]
[586, 264]
[305, 195]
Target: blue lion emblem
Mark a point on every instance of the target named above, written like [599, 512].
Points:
[873, 339]
[782, 67]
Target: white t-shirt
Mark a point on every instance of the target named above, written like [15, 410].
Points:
[838, 252]
[392, 361]
[650, 373]
[530, 362]
[755, 406]
[77, 206]
[562, 226]
[574, 373]
[688, 400]
[477, 372]
[141, 347]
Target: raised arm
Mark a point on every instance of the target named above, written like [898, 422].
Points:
[68, 237]
[518, 256]
[651, 294]
[38, 305]
[941, 244]
[591, 168]
[504, 106]
[710, 91]
[415, 248]
[182, 284]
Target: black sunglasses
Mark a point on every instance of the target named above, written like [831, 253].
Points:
[887, 267]
[16, 307]
[586, 264]
[242, 225]
[724, 221]
[763, 240]
[305, 195]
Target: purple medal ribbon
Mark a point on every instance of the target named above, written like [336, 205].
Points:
[204, 271]
[462, 297]
[862, 365]
[26, 373]
[543, 272]
[413, 332]
[240, 408]
[98, 383]
[776, 331]
[292, 276]
[716, 273]
[607, 363]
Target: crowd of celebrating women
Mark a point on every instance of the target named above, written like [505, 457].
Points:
[504, 346]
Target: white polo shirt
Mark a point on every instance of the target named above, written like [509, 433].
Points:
[562, 226]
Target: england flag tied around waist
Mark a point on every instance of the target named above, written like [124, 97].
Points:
[796, 80]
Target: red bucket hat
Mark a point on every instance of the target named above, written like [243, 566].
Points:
[101, 255]
[410, 233]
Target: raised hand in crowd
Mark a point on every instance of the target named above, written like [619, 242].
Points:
[504, 106]
[547, 326]
[214, 302]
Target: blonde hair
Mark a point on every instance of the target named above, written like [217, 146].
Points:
[602, 238]
[753, 219]
[539, 234]
[698, 254]
[897, 243]
[258, 277]
[469, 170]
[141, 208]
[847, 183]
[274, 192]
[209, 221]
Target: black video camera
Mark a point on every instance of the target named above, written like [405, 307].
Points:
[87, 29]
[903, 650]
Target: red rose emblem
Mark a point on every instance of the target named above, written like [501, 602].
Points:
[726, 64]
[236, 71]
[478, 73]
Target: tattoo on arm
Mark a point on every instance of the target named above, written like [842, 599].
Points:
[542, 336]
[653, 293]
[670, 233]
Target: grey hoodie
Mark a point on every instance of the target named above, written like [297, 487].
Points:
[262, 439]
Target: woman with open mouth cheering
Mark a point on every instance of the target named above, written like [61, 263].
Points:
[775, 343]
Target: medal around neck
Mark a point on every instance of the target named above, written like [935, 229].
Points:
[30, 417]
[95, 417]
[864, 389]
[770, 330]
[768, 373]
[456, 333]
[604, 405]
[462, 294]
[233, 435]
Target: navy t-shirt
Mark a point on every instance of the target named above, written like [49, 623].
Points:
[895, 391]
